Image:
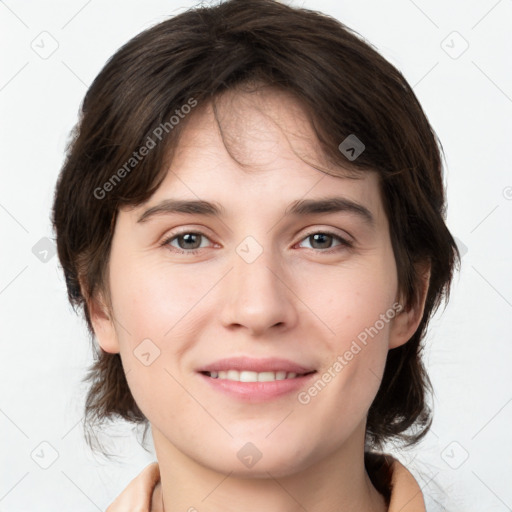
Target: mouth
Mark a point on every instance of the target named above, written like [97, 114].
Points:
[251, 376]
[256, 387]
[254, 380]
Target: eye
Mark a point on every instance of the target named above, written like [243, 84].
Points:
[188, 242]
[324, 240]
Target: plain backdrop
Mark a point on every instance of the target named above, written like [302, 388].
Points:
[455, 54]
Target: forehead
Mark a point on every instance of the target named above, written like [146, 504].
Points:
[254, 150]
[255, 127]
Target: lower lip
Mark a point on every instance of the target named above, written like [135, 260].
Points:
[258, 391]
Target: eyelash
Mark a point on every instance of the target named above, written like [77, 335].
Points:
[343, 243]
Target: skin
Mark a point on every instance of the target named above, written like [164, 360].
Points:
[142, 494]
[301, 299]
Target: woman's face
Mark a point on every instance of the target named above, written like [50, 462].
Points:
[315, 288]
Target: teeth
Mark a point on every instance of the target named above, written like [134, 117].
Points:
[248, 376]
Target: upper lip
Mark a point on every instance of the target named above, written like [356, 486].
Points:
[256, 365]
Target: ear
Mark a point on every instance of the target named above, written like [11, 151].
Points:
[406, 322]
[103, 325]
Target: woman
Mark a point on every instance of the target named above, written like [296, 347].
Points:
[271, 368]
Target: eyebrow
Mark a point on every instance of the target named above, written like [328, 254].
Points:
[300, 207]
[210, 209]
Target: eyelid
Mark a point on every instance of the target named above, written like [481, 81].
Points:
[346, 243]
[175, 233]
[330, 231]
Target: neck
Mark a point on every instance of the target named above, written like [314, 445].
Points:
[336, 482]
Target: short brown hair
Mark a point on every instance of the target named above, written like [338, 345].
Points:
[344, 85]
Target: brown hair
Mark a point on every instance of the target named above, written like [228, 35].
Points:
[344, 85]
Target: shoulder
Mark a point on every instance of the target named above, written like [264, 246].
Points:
[142, 493]
[397, 484]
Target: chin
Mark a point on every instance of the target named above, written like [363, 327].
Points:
[256, 457]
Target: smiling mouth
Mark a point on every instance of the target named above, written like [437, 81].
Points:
[250, 376]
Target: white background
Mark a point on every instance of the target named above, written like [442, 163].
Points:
[466, 461]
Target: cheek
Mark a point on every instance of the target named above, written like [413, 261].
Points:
[157, 318]
[356, 307]
[349, 301]
[151, 299]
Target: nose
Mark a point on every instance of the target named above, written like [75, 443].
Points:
[258, 296]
